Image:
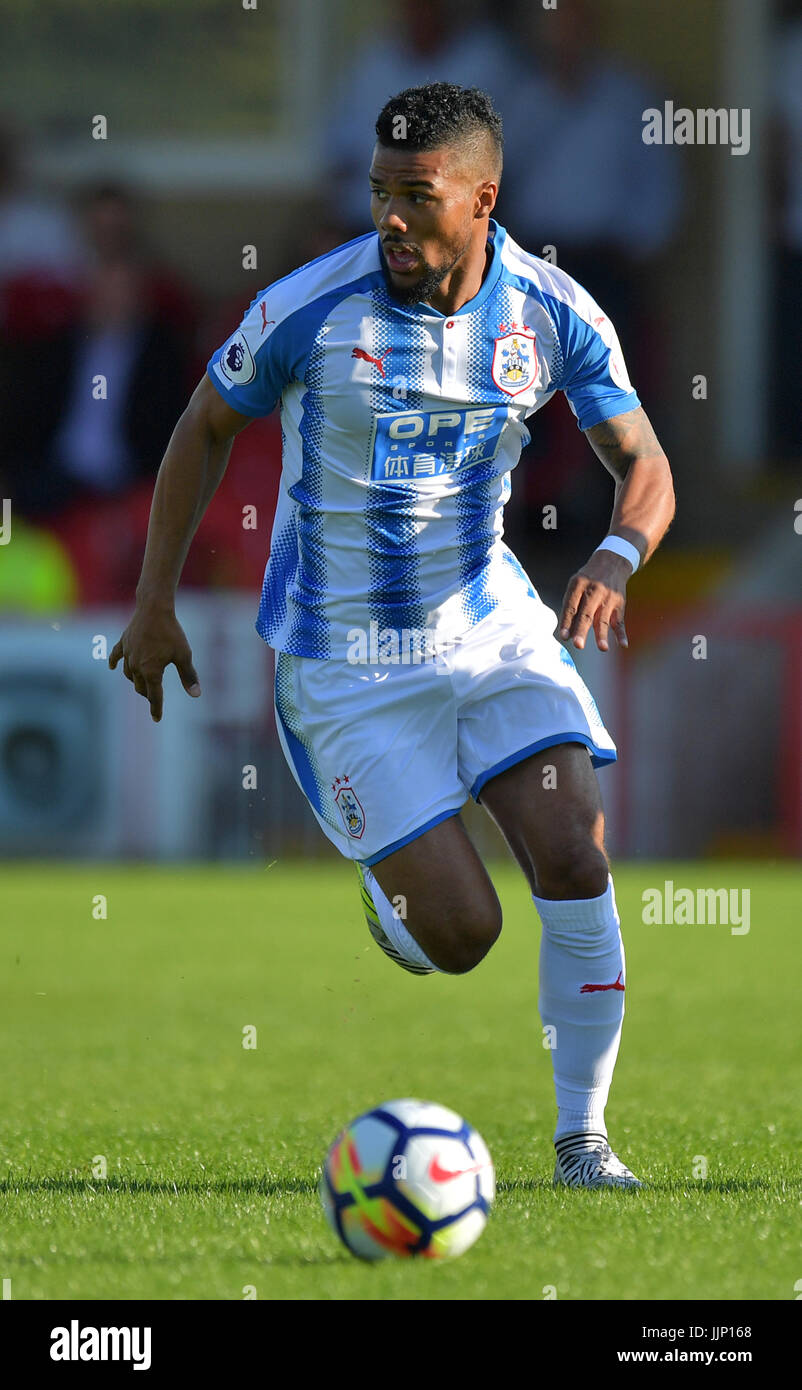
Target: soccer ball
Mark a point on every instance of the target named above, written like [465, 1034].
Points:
[408, 1178]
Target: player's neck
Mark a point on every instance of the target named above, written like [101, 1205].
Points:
[462, 285]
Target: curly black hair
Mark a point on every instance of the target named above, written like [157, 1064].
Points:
[441, 113]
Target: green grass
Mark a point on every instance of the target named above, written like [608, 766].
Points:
[123, 1038]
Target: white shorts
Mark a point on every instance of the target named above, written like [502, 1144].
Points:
[384, 752]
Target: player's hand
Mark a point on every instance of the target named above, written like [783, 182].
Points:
[595, 598]
[154, 639]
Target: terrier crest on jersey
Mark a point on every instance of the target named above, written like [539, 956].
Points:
[515, 364]
[350, 807]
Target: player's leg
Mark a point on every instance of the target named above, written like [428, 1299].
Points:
[549, 809]
[436, 891]
[375, 753]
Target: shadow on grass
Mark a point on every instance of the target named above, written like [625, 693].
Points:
[238, 1187]
[668, 1186]
[724, 1186]
[94, 1259]
[504, 1185]
[292, 1185]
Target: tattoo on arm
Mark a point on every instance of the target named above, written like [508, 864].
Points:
[622, 439]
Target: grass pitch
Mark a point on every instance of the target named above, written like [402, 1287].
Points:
[122, 1041]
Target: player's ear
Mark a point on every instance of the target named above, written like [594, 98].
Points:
[486, 195]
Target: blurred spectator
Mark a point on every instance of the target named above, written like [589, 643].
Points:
[786, 203]
[429, 41]
[42, 259]
[94, 405]
[91, 405]
[113, 231]
[578, 177]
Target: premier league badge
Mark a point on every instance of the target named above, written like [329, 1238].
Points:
[350, 808]
[515, 364]
[236, 361]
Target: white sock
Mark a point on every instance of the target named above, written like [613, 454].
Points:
[393, 926]
[581, 946]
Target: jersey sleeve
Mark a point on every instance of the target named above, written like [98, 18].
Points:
[594, 376]
[252, 368]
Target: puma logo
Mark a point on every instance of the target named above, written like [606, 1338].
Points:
[592, 989]
[366, 357]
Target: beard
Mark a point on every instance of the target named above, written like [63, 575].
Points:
[426, 283]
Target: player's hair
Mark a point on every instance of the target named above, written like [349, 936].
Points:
[442, 113]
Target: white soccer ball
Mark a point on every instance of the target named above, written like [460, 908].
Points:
[408, 1178]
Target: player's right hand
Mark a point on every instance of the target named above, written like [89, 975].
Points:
[154, 639]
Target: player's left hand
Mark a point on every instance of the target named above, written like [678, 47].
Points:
[595, 598]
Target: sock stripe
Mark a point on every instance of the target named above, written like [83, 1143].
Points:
[370, 907]
[380, 936]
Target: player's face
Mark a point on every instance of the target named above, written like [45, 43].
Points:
[422, 205]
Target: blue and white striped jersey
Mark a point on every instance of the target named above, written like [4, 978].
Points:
[400, 428]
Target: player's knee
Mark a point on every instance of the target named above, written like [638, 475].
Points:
[468, 944]
[580, 874]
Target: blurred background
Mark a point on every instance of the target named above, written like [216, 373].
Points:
[160, 165]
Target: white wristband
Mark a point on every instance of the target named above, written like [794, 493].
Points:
[622, 548]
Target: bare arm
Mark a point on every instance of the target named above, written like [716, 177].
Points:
[190, 473]
[642, 513]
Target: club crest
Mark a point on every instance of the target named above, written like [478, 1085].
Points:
[350, 807]
[515, 364]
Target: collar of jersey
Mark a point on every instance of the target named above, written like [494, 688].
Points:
[495, 237]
